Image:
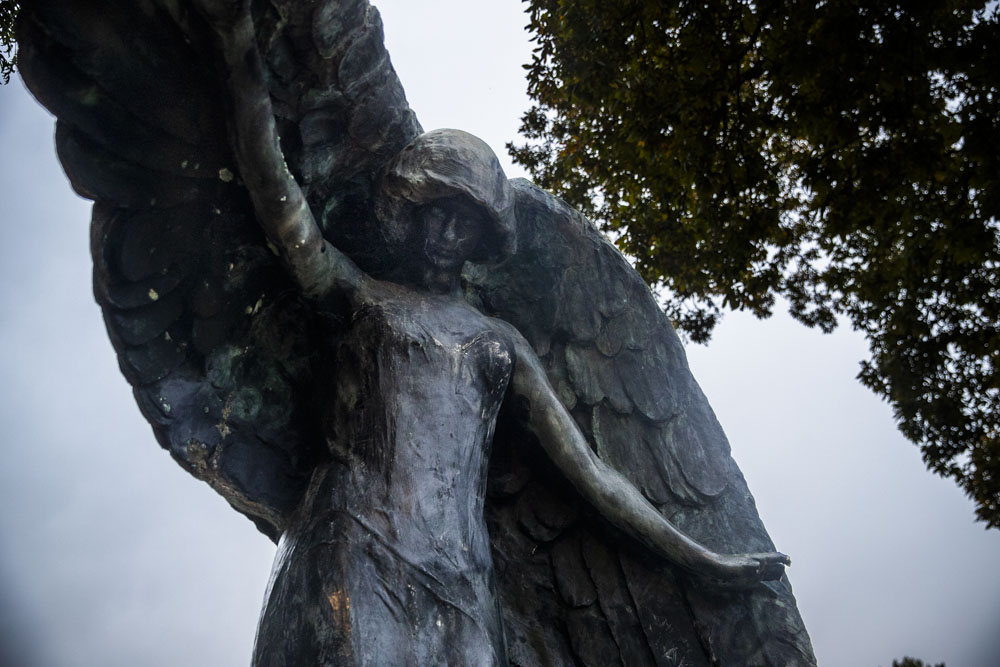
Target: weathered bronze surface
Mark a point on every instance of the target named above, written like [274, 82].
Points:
[504, 459]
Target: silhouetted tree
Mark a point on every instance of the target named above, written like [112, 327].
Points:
[8, 47]
[844, 156]
[913, 662]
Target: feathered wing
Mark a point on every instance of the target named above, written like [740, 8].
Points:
[220, 349]
[577, 591]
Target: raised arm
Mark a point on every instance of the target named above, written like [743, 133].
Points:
[278, 201]
[617, 499]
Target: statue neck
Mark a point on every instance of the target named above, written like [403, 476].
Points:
[438, 281]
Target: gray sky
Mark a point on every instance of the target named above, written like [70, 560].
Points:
[111, 555]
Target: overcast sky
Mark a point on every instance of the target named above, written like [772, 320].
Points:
[111, 555]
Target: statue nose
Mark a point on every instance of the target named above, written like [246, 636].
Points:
[449, 231]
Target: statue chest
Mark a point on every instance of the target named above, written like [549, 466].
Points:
[416, 387]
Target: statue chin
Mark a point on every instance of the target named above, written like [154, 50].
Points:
[444, 261]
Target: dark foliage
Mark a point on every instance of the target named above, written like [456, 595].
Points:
[842, 156]
[913, 662]
[8, 47]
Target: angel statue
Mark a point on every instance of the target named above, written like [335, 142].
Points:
[452, 403]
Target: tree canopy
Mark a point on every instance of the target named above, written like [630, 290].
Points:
[8, 47]
[913, 662]
[843, 156]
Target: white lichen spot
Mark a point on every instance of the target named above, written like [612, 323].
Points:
[255, 308]
[284, 197]
[166, 336]
[152, 202]
[197, 166]
[166, 407]
[225, 175]
[223, 425]
[216, 211]
[184, 164]
[440, 624]
[273, 249]
[153, 295]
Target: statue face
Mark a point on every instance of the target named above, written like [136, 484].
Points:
[452, 231]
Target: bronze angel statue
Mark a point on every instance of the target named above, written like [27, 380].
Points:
[451, 402]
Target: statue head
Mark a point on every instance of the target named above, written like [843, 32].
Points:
[448, 184]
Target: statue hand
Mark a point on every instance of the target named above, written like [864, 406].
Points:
[749, 569]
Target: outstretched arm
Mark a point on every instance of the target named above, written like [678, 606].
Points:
[278, 201]
[616, 497]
